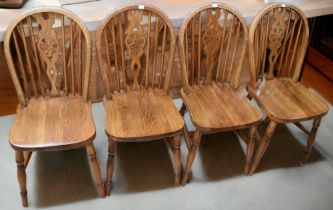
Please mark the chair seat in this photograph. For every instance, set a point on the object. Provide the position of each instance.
(53, 123)
(288, 101)
(220, 108)
(141, 115)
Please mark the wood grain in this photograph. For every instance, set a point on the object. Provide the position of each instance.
(45, 61)
(278, 37)
(135, 47)
(220, 107)
(286, 101)
(22, 178)
(212, 47)
(54, 123)
(136, 116)
(53, 113)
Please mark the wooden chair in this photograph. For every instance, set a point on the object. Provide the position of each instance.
(48, 52)
(212, 47)
(135, 49)
(278, 41)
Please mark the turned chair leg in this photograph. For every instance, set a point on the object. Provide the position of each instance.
(311, 139)
(191, 155)
(177, 160)
(187, 138)
(250, 149)
(22, 178)
(95, 168)
(110, 165)
(263, 145)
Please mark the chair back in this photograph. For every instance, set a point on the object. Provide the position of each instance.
(278, 39)
(135, 49)
(212, 45)
(48, 52)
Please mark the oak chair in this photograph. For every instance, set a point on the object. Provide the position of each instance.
(135, 49)
(212, 47)
(48, 52)
(278, 41)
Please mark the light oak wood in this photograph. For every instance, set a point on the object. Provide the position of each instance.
(95, 168)
(138, 115)
(22, 178)
(110, 165)
(135, 48)
(219, 107)
(52, 87)
(212, 47)
(286, 101)
(278, 39)
(54, 123)
(263, 145)
(27, 156)
(175, 10)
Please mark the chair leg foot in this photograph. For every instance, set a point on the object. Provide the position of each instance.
(21, 175)
(311, 139)
(110, 166)
(250, 150)
(263, 145)
(191, 156)
(96, 169)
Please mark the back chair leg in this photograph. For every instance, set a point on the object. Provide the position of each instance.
(187, 138)
(249, 96)
(311, 138)
(95, 168)
(191, 155)
(110, 166)
(27, 156)
(182, 110)
(22, 178)
(263, 145)
(177, 160)
(250, 149)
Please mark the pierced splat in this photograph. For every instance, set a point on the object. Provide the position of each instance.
(49, 48)
(212, 41)
(276, 36)
(135, 42)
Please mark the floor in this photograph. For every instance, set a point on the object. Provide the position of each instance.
(8, 98)
(312, 78)
(144, 176)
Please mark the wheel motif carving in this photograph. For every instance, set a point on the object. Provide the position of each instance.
(49, 49)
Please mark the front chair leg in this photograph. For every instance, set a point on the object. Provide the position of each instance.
(250, 149)
(177, 160)
(22, 178)
(191, 155)
(95, 168)
(263, 145)
(110, 165)
(312, 136)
